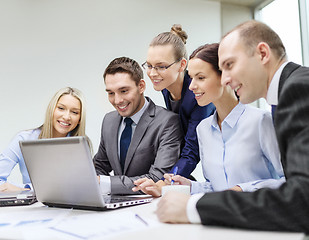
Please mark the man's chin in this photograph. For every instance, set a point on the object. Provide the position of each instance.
(123, 114)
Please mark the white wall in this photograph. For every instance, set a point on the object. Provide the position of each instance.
(232, 15)
(46, 45)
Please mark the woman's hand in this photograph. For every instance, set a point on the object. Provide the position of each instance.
(178, 180)
(8, 187)
(236, 188)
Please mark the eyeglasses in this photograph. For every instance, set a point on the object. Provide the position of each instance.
(148, 67)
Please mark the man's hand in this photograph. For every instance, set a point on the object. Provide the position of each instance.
(172, 208)
(8, 187)
(148, 186)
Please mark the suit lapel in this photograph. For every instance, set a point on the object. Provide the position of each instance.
(286, 72)
(139, 132)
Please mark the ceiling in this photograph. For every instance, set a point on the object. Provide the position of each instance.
(245, 3)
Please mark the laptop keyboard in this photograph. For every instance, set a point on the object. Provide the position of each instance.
(116, 199)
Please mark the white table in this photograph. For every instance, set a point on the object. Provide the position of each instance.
(158, 231)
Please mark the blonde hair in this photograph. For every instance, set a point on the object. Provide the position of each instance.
(47, 127)
(176, 37)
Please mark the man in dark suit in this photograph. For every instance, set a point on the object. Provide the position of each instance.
(152, 138)
(254, 63)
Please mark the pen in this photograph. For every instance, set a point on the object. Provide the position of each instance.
(174, 172)
(139, 217)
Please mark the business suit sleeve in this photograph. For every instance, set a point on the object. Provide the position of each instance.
(286, 208)
(164, 136)
(100, 160)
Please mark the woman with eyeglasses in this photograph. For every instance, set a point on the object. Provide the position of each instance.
(166, 67)
(238, 145)
(65, 117)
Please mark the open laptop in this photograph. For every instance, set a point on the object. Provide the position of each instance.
(63, 175)
(17, 198)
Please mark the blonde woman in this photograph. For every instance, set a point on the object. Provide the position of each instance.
(166, 67)
(65, 117)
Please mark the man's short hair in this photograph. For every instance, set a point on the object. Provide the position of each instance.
(125, 65)
(253, 32)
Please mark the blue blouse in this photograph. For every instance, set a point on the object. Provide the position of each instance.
(190, 114)
(12, 155)
(244, 152)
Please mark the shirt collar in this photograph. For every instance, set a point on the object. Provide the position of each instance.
(137, 116)
(232, 118)
(272, 93)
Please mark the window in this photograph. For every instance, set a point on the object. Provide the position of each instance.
(304, 28)
(289, 18)
(283, 17)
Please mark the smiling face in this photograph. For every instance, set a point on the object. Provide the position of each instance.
(123, 94)
(66, 115)
(206, 82)
(163, 55)
(243, 71)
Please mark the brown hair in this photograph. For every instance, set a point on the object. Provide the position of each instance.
(253, 32)
(125, 65)
(208, 53)
(176, 37)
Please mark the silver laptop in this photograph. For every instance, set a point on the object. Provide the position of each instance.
(17, 198)
(63, 175)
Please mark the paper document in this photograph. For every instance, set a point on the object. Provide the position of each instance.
(95, 225)
(28, 219)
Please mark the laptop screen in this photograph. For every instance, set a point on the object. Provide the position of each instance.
(61, 171)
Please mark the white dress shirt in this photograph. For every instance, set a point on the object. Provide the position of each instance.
(272, 93)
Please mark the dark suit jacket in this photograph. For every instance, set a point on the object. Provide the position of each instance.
(190, 114)
(286, 208)
(154, 149)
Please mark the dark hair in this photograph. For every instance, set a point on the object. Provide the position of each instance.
(208, 53)
(176, 37)
(253, 32)
(125, 65)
